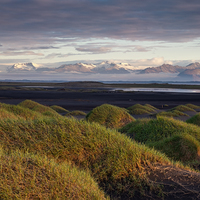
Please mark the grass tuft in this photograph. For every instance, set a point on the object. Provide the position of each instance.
(140, 109)
(29, 176)
(76, 113)
(44, 110)
(109, 116)
(59, 109)
(183, 108)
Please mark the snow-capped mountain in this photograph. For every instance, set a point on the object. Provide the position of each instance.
(105, 67)
(23, 67)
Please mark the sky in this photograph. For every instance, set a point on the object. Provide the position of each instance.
(143, 33)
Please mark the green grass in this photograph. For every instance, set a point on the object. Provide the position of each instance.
(194, 119)
(150, 106)
(192, 106)
(18, 112)
(138, 108)
(59, 109)
(116, 162)
(139, 111)
(161, 133)
(109, 116)
(28, 176)
(172, 113)
(44, 110)
(183, 108)
(76, 113)
(182, 147)
(59, 157)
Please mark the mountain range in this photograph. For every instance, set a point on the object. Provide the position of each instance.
(191, 71)
(99, 68)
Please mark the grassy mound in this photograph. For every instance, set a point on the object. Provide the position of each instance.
(148, 108)
(139, 111)
(194, 119)
(161, 132)
(59, 109)
(173, 113)
(15, 112)
(76, 113)
(183, 147)
(192, 106)
(28, 176)
(109, 116)
(115, 161)
(183, 108)
(44, 110)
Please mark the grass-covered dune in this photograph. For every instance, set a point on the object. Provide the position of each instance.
(116, 162)
(172, 113)
(28, 176)
(194, 119)
(109, 116)
(44, 110)
(59, 109)
(177, 139)
(183, 108)
(15, 112)
(60, 157)
(139, 109)
(76, 113)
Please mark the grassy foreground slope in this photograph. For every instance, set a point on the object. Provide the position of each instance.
(109, 116)
(28, 176)
(177, 139)
(116, 162)
(123, 168)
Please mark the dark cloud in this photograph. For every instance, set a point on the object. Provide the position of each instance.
(134, 20)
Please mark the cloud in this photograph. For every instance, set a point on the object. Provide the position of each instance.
(20, 53)
(94, 50)
(60, 55)
(139, 49)
(40, 47)
(134, 20)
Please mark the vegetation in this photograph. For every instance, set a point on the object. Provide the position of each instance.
(59, 109)
(16, 112)
(109, 116)
(172, 113)
(183, 108)
(76, 113)
(28, 176)
(44, 110)
(192, 106)
(139, 109)
(114, 160)
(172, 137)
(194, 120)
(56, 157)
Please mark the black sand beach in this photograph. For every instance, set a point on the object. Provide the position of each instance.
(86, 101)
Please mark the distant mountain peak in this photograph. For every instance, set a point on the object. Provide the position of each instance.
(23, 67)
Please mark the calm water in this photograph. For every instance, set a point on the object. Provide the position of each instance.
(159, 90)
